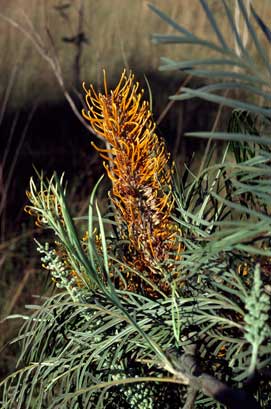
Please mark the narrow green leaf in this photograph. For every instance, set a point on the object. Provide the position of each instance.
(238, 86)
(262, 25)
(215, 27)
(238, 137)
(238, 76)
(170, 39)
(233, 103)
(90, 224)
(180, 65)
(103, 239)
(254, 36)
(170, 22)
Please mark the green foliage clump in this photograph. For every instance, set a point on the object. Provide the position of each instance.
(114, 336)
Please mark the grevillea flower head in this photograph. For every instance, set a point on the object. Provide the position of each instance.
(45, 206)
(138, 165)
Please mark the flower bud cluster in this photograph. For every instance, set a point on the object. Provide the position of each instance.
(58, 270)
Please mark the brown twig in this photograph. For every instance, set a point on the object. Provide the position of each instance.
(191, 397)
(4, 185)
(172, 102)
(19, 289)
(11, 242)
(210, 386)
(9, 87)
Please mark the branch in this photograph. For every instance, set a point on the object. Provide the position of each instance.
(199, 381)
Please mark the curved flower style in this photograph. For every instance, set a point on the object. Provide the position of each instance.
(138, 166)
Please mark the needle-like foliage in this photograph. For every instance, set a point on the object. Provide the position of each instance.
(164, 302)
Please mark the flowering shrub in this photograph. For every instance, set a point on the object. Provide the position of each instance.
(165, 298)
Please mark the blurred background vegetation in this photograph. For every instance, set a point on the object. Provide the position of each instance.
(38, 126)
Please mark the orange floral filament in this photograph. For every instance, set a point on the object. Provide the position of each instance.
(138, 166)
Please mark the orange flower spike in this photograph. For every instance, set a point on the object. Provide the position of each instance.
(139, 169)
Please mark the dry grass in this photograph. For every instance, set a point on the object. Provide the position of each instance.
(118, 35)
